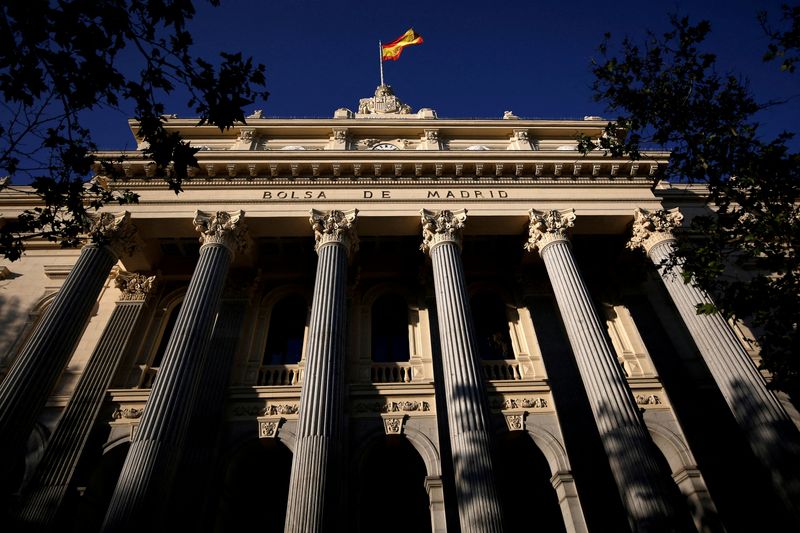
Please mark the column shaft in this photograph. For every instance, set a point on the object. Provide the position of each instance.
(467, 407)
(647, 493)
(36, 370)
(313, 494)
(144, 483)
(771, 434)
(63, 451)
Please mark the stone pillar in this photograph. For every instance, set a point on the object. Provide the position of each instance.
(314, 486)
(479, 506)
(435, 489)
(564, 485)
(46, 491)
(648, 494)
(36, 370)
(144, 484)
(770, 432)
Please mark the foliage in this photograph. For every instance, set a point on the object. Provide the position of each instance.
(60, 60)
(668, 94)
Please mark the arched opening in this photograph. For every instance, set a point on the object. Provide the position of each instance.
(523, 477)
(287, 325)
(255, 488)
(491, 327)
(389, 329)
(391, 492)
(101, 482)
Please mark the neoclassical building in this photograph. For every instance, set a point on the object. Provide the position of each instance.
(384, 321)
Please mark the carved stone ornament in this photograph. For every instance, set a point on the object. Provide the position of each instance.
(393, 424)
(128, 412)
(268, 429)
(650, 399)
(441, 226)
(227, 229)
(383, 103)
(134, 286)
(653, 227)
(340, 134)
(404, 406)
(115, 231)
(280, 409)
(246, 135)
(518, 403)
(335, 226)
(548, 227)
(432, 135)
(515, 421)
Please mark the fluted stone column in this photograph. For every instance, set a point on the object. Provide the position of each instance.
(316, 465)
(770, 432)
(36, 370)
(144, 484)
(479, 507)
(51, 481)
(648, 494)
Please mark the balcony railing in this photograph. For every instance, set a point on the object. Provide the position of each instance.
(392, 373)
(274, 375)
(502, 370)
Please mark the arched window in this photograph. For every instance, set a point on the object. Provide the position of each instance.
(162, 344)
(287, 325)
(390, 329)
(491, 328)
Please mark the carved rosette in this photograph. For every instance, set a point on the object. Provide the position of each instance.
(441, 226)
(335, 227)
(114, 230)
(227, 229)
(135, 287)
(653, 227)
(547, 227)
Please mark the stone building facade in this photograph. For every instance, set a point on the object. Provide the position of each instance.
(384, 321)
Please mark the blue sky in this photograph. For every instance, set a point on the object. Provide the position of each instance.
(478, 59)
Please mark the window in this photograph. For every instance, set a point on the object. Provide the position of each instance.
(390, 329)
(287, 324)
(491, 328)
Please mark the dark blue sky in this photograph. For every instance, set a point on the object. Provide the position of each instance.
(478, 59)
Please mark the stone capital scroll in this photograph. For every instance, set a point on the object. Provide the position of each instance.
(335, 227)
(653, 227)
(547, 227)
(441, 226)
(222, 227)
(114, 230)
(135, 287)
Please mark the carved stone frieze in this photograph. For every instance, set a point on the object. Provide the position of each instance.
(116, 231)
(280, 409)
(441, 226)
(648, 399)
(403, 406)
(548, 227)
(135, 287)
(127, 412)
(335, 226)
(221, 227)
(538, 402)
(653, 227)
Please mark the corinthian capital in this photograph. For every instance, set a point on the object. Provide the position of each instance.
(441, 226)
(547, 227)
(135, 286)
(227, 229)
(653, 227)
(335, 226)
(114, 230)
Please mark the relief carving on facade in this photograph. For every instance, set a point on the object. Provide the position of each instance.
(441, 226)
(515, 422)
(280, 409)
(649, 399)
(518, 403)
(653, 227)
(383, 103)
(115, 231)
(393, 425)
(135, 287)
(221, 227)
(335, 226)
(547, 227)
(406, 406)
(268, 429)
(127, 412)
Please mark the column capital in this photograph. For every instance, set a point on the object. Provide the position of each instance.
(335, 226)
(222, 227)
(441, 226)
(653, 227)
(547, 227)
(135, 287)
(114, 230)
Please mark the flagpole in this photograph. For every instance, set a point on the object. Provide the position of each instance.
(380, 54)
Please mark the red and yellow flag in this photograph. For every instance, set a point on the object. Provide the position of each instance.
(391, 51)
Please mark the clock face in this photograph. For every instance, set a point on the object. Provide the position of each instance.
(385, 146)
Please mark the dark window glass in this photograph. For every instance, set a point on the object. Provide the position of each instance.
(491, 328)
(162, 344)
(390, 329)
(285, 335)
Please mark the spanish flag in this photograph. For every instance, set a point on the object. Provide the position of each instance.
(392, 50)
